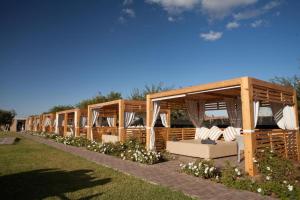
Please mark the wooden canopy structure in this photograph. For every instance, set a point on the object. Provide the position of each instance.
(71, 122)
(48, 122)
(34, 123)
(117, 113)
(29, 123)
(248, 91)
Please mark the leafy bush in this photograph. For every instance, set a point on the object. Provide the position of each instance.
(201, 168)
(132, 149)
(274, 167)
(277, 175)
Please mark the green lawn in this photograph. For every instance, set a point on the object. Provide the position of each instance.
(29, 170)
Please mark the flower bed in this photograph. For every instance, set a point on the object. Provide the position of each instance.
(276, 175)
(130, 150)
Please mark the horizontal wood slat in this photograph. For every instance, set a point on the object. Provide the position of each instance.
(281, 141)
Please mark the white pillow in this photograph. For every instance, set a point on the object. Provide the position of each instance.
(202, 133)
(229, 133)
(215, 133)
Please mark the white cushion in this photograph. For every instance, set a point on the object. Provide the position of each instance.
(229, 133)
(215, 133)
(202, 133)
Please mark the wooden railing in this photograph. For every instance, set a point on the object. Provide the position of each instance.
(165, 134)
(137, 133)
(283, 142)
(99, 131)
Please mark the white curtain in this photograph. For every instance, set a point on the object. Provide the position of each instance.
(233, 107)
(289, 116)
(83, 121)
(284, 116)
(56, 123)
(255, 112)
(156, 109)
(163, 117)
(128, 118)
(47, 122)
(110, 121)
(95, 117)
(196, 112)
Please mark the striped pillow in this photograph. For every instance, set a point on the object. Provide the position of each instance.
(202, 133)
(215, 133)
(229, 133)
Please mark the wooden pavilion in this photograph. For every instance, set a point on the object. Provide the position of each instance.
(244, 96)
(71, 122)
(117, 120)
(29, 123)
(48, 122)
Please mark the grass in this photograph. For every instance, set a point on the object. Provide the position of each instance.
(30, 170)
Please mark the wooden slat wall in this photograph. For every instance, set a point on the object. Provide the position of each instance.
(99, 131)
(138, 133)
(281, 141)
(269, 95)
(164, 134)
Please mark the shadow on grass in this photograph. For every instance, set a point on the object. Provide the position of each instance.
(42, 183)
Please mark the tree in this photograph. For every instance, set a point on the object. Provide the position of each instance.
(141, 94)
(6, 117)
(60, 108)
(293, 81)
(99, 99)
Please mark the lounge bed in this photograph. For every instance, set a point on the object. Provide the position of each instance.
(194, 148)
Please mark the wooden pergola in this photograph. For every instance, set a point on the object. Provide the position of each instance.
(248, 90)
(35, 123)
(68, 122)
(29, 123)
(116, 110)
(50, 118)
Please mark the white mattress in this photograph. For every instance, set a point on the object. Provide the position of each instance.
(194, 148)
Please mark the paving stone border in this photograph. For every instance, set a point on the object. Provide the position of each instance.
(165, 174)
(7, 140)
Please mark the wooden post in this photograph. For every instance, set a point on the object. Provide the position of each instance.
(77, 122)
(149, 114)
(65, 124)
(297, 123)
(169, 117)
(248, 124)
(121, 120)
(89, 124)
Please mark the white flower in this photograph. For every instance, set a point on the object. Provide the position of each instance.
(211, 169)
(259, 190)
(268, 168)
(285, 182)
(290, 187)
(238, 173)
(236, 169)
(268, 178)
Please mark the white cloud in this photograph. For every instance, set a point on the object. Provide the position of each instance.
(271, 5)
(211, 36)
(232, 25)
(257, 23)
(128, 12)
(221, 8)
(248, 14)
(175, 7)
(127, 2)
(171, 19)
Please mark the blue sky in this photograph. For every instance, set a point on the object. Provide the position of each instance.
(61, 51)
